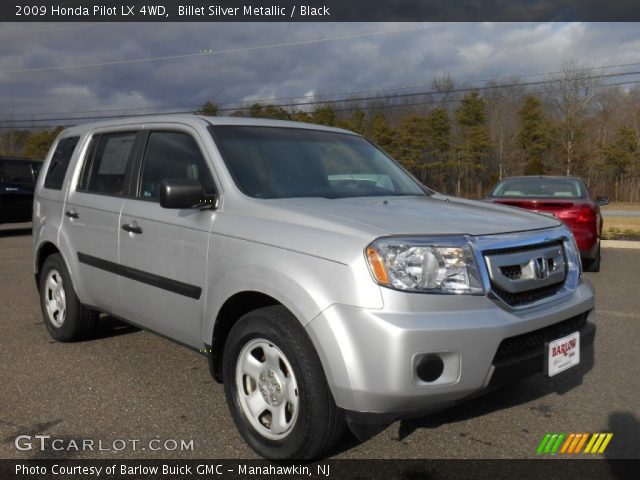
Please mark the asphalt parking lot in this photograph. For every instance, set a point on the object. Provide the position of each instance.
(130, 384)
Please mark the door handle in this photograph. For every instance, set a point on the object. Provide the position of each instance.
(132, 228)
(72, 214)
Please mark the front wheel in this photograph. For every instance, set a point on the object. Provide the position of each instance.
(276, 388)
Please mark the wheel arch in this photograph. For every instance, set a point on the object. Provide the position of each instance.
(45, 250)
(231, 311)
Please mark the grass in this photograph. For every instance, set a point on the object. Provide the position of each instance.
(619, 228)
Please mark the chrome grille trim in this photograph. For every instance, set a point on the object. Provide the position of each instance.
(540, 266)
(490, 245)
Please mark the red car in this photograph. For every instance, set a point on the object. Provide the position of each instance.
(566, 198)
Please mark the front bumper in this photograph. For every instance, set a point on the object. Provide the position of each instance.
(369, 356)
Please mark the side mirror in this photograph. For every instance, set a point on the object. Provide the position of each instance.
(180, 193)
(602, 201)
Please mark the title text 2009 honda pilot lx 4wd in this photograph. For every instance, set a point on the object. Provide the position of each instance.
(328, 286)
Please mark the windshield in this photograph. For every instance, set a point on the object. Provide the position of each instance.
(274, 162)
(539, 187)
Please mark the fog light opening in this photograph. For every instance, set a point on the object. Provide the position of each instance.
(430, 368)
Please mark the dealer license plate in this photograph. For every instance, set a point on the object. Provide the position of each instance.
(562, 354)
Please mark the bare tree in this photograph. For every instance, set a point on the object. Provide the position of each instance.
(503, 99)
(444, 84)
(572, 93)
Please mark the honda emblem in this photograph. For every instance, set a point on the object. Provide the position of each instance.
(541, 267)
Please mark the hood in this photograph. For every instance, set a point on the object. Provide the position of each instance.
(435, 215)
(339, 229)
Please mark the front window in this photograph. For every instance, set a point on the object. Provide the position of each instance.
(172, 155)
(273, 162)
(539, 187)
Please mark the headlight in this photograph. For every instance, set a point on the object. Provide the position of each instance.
(430, 265)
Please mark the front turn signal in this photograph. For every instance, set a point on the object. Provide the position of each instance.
(377, 266)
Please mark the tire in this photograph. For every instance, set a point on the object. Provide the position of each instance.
(268, 354)
(593, 265)
(65, 317)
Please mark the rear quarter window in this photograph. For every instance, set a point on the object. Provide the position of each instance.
(60, 163)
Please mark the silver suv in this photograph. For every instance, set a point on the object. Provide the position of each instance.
(326, 285)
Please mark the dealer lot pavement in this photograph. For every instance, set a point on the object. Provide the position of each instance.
(132, 389)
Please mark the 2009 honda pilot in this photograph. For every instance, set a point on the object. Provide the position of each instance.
(327, 286)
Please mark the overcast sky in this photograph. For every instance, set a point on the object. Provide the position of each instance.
(297, 59)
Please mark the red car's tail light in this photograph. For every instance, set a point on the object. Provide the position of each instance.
(587, 214)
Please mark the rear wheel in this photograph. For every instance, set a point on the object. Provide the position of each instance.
(592, 265)
(276, 388)
(65, 317)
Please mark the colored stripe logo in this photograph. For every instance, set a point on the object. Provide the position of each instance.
(553, 443)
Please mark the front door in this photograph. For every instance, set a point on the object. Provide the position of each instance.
(164, 251)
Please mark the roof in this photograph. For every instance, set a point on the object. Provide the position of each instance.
(201, 120)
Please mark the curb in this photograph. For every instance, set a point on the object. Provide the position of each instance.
(620, 244)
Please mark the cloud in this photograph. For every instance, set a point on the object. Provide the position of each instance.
(478, 52)
(469, 52)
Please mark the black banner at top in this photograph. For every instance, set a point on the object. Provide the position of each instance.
(319, 10)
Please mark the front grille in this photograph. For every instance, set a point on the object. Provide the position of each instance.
(514, 272)
(520, 277)
(533, 342)
(530, 296)
(511, 271)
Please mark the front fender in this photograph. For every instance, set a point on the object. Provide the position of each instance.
(304, 284)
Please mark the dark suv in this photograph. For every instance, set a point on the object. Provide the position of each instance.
(17, 180)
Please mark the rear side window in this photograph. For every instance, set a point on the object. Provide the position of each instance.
(172, 155)
(60, 163)
(107, 168)
(17, 172)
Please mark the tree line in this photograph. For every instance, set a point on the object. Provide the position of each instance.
(461, 141)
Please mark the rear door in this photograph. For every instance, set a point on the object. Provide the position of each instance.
(165, 250)
(91, 219)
